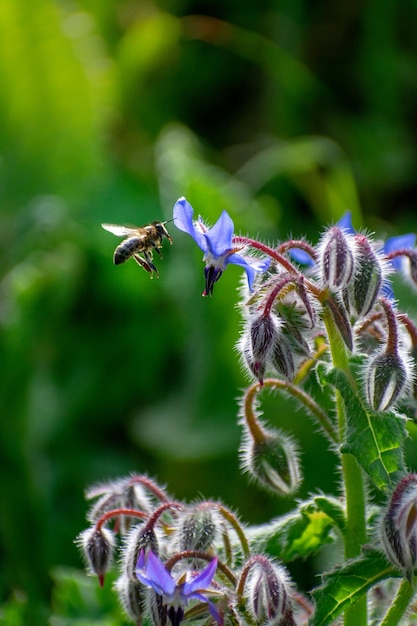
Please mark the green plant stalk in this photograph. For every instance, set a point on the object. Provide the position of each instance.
(355, 534)
(397, 609)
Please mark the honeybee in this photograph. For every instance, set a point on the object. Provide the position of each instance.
(140, 243)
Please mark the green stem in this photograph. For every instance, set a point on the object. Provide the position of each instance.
(399, 606)
(355, 532)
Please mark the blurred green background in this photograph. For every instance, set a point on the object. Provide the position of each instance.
(285, 113)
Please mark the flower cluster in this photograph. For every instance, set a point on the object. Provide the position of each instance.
(176, 560)
(344, 277)
(320, 324)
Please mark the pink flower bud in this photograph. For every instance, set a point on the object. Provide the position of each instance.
(132, 597)
(139, 538)
(263, 333)
(282, 357)
(97, 546)
(399, 526)
(363, 290)
(385, 379)
(336, 259)
(268, 592)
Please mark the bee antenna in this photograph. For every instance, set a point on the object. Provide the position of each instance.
(168, 221)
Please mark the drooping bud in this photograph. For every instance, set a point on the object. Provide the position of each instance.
(385, 380)
(399, 526)
(267, 591)
(363, 290)
(336, 260)
(258, 368)
(157, 608)
(272, 460)
(132, 597)
(141, 537)
(97, 545)
(263, 333)
(282, 358)
(197, 528)
(341, 320)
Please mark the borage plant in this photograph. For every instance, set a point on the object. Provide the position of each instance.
(324, 314)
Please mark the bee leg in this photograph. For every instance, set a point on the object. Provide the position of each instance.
(142, 263)
(148, 258)
(146, 264)
(157, 249)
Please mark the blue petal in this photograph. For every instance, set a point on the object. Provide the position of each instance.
(183, 220)
(345, 222)
(202, 581)
(151, 572)
(213, 610)
(399, 243)
(301, 256)
(219, 237)
(251, 269)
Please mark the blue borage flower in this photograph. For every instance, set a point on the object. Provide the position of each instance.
(217, 244)
(152, 573)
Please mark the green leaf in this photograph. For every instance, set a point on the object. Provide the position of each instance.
(344, 586)
(298, 534)
(333, 508)
(375, 439)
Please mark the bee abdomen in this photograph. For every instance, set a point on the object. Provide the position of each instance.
(126, 249)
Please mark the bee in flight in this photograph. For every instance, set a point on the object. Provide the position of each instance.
(140, 243)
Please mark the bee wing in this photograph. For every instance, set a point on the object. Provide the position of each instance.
(119, 231)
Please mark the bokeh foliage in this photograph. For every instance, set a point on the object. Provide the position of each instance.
(286, 114)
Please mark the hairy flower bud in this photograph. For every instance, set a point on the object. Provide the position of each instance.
(341, 320)
(139, 538)
(267, 591)
(157, 608)
(197, 528)
(336, 259)
(256, 368)
(132, 597)
(272, 460)
(399, 526)
(385, 380)
(362, 292)
(97, 546)
(263, 333)
(282, 358)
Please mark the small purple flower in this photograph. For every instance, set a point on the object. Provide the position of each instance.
(217, 244)
(152, 573)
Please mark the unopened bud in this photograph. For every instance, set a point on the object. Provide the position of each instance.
(399, 526)
(363, 290)
(256, 368)
(197, 528)
(158, 609)
(282, 357)
(336, 259)
(132, 597)
(385, 379)
(97, 546)
(263, 333)
(272, 461)
(341, 320)
(268, 592)
(139, 538)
